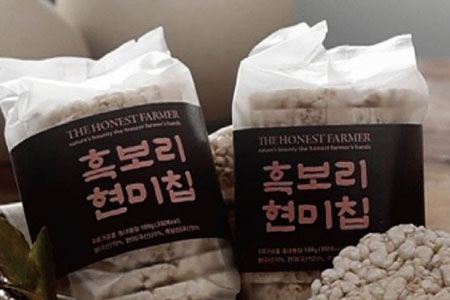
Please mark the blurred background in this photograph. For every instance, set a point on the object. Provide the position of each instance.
(366, 22)
(212, 36)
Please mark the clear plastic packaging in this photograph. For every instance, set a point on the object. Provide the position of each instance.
(38, 95)
(290, 79)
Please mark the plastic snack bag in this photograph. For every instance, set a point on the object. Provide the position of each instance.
(328, 146)
(113, 157)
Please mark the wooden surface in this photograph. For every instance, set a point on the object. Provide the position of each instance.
(437, 143)
(436, 146)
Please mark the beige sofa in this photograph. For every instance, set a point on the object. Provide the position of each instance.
(33, 29)
(210, 36)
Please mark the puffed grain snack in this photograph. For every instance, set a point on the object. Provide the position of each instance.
(332, 106)
(221, 142)
(406, 262)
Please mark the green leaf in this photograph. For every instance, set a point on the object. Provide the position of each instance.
(41, 277)
(30, 272)
(14, 251)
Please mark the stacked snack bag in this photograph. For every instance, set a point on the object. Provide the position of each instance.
(328, 147)
(112, 156)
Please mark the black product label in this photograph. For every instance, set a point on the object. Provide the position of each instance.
(119, 181)
(304, 193)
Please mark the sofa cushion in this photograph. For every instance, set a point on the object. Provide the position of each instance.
(33, 29)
